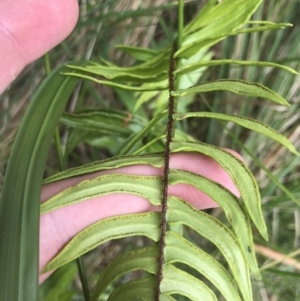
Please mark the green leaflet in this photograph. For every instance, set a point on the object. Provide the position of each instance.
(235, 86)
(209, 227)
(140, 289)
(151, 74)
(147, 187)
(191, 287)
(179, 249)
(141, 54)
(145, 259)
(219, 18)
(154, 69)
(146, 224)
(104, 121)
(239, 173)
(155, 160)
(20, 197)
(156, 87)
(232, 209)
(192, 67)
(248, 123)
(196, 44)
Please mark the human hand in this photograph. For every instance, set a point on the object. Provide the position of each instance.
(28, 29)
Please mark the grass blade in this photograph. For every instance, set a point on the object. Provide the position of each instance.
(20, 198)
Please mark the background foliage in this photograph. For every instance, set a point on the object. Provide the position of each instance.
(151, 24)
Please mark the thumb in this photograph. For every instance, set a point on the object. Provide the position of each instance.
(30, 28)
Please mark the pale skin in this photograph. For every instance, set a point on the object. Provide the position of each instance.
(29, 29)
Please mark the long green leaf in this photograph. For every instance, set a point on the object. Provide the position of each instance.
(176, 281)
(153, 70)
(196, 44)
(141, 259)
(111, 71)
(209, 227)
(248, 123)
(235, 86)
(193, 67)
(156, 87)
(179, 249)
(20, 198)
(145, 186)
(155, 160)
(239, 173)
(103, 121)
(145, 224)
(229, 203)
(133, 75)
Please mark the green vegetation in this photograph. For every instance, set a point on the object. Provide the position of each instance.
(192, 80)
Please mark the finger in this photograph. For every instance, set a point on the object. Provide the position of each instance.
(59, 226)
(30, 28)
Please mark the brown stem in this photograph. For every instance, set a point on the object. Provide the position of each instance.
(170, 131)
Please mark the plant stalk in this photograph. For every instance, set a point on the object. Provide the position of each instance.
(164, 202)
(172, 108)
(179, 45)
(180, 23)
(61, 167)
